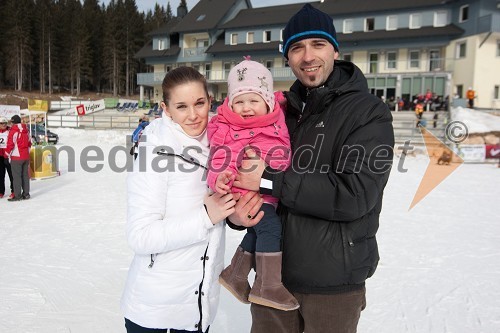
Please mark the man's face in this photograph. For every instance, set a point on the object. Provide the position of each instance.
(311, 60)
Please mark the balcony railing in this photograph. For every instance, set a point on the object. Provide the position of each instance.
(435, 65)
(194, 52)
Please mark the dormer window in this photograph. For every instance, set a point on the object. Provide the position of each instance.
(201, 17)
(347, 29)
(440, 19)
(370, 24)
(234, 39)
(250, 37)
(267, 36)
(392, 22)
(464, 13)
(161, 44)
(415, 21)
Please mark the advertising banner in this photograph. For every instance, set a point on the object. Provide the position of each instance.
(86, 107)
(472, 153)
(38, 105)
(8, 111)
(492, 151)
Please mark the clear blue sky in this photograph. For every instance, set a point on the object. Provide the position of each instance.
(145, 5)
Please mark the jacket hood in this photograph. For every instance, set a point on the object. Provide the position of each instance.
(226, 115)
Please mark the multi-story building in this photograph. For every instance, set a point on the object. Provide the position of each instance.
(404, 48)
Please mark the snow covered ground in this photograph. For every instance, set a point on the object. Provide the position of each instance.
(64, 257)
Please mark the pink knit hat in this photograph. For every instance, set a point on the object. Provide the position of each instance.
(250, 76)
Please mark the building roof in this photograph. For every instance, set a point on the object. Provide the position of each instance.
(166, 28)
(446, 31)
(263, 16)
(336, 7)
(148, 52)
(205, 15)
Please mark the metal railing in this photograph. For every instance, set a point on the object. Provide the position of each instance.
(382, 67)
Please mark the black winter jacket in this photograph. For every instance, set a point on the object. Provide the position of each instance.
(331, 197)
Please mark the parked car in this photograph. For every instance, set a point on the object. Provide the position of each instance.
(38, 135)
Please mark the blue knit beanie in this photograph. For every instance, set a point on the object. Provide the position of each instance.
(309, 22)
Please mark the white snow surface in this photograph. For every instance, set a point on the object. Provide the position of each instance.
(476, 121)
(64, 256)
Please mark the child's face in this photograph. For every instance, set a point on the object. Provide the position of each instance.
(249, 105)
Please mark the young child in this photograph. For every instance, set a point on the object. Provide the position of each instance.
(251, 116)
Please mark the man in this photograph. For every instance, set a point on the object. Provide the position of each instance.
(331, 197)
(18, 145)
(136, 135)
(471, 94)
(4, 159)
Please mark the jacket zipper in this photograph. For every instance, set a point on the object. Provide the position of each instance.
(200, 293)
(153, 257)
(346, 244)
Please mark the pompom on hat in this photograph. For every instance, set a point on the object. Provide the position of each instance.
(251, 77)
(309, 22)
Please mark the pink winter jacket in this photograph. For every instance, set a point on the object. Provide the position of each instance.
(229, 134)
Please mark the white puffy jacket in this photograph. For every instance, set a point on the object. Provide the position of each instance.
(178, 251)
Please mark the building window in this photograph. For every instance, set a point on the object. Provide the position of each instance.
(461, 50)
(161, 44)
(267, 36)
(369, 24)
(202, 43)
(391, 59)
(281, 35)
(373, 59)
(347, 57)
(434, 60)
(234, 39)
(464, 13)
(227, 69)
(250, 37)
(347, 29)
(268, 64)
(208, 69)
(392, 22)
(167, 68)
(498, 48)
(460, 91)
(415, 21)
(496, 92)
(440, 18)
(414, 59)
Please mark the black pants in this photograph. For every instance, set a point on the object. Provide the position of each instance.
(134, 328)
(20, 174)
(5, 166)
(265, 236)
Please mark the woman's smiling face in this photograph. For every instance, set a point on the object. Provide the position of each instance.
(188, 106)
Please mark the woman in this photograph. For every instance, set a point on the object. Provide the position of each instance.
(173, 226)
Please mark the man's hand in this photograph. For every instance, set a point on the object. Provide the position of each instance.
(250, 171)
(247, 210)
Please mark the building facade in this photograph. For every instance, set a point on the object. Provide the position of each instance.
(404, 48)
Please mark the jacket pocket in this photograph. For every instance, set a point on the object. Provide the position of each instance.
(356, 256)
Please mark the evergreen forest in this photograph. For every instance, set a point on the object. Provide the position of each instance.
(73, 46)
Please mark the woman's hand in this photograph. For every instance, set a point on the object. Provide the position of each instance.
(247, 210)
(219, 206)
